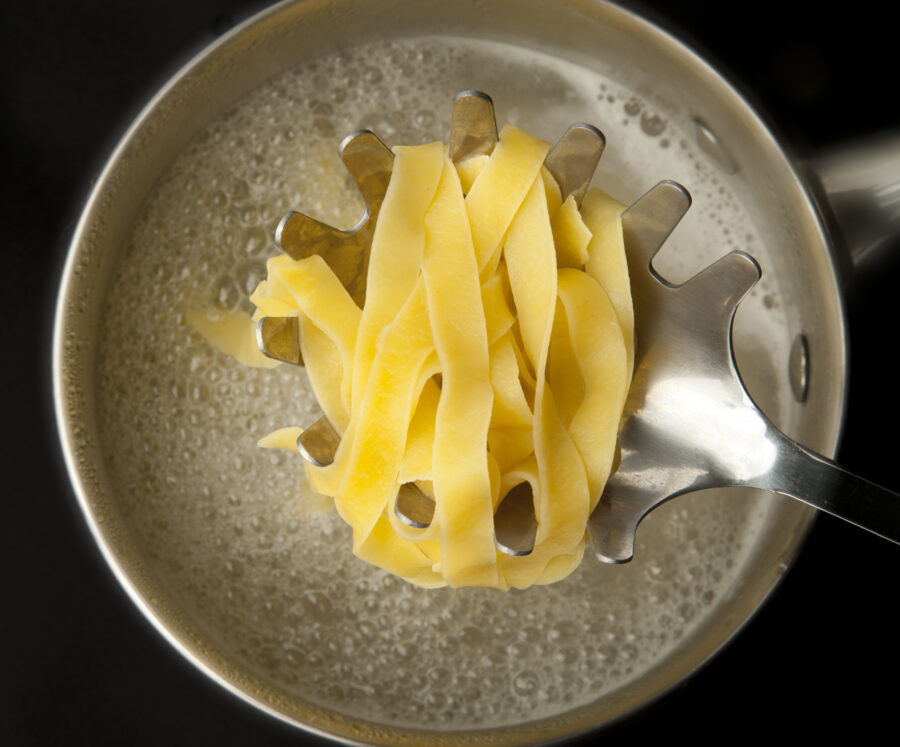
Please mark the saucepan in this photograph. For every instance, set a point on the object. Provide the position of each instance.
(223, 547)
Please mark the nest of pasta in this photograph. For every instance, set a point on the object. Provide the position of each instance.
(494, 348)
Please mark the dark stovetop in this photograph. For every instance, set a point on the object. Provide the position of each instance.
(78, 662)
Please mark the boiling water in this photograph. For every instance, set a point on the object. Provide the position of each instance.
(263, 565)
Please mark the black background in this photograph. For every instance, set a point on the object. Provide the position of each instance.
(80, 665)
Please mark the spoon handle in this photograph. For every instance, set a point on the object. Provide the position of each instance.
(819, 482)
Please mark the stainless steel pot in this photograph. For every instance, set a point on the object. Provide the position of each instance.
(722, 133)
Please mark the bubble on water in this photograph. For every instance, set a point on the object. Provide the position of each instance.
(226, 294)
(633, 106)
(652, 124)
(526, 683)
(424, 119)
(249, 275)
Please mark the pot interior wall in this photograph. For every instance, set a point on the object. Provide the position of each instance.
(210, 536)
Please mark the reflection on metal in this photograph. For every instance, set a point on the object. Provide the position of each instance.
(278, 337)
(862, 186)
(473, 128)
(798, 368)
(515, 526)
(319, 443)
(413, 507)
(709, 143)
(574, 159)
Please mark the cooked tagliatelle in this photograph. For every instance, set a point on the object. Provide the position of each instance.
(494, 349)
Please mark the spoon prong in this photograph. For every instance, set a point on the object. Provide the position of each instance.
(473, 127)
(278, 337)
(515, 526)
(648, 222)
(573, 160)
(319, 443)
(413, 507)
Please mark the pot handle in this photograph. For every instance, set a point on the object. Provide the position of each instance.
(861, 185)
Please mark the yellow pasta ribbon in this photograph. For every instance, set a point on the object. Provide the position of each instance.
(561, 498)
(499, 190)
(571, 235)
(460, 469)
(600, 352)
(381, 422)
(606, 260)
(397, 246)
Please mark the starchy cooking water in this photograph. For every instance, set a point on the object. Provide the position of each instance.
(264, 565)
